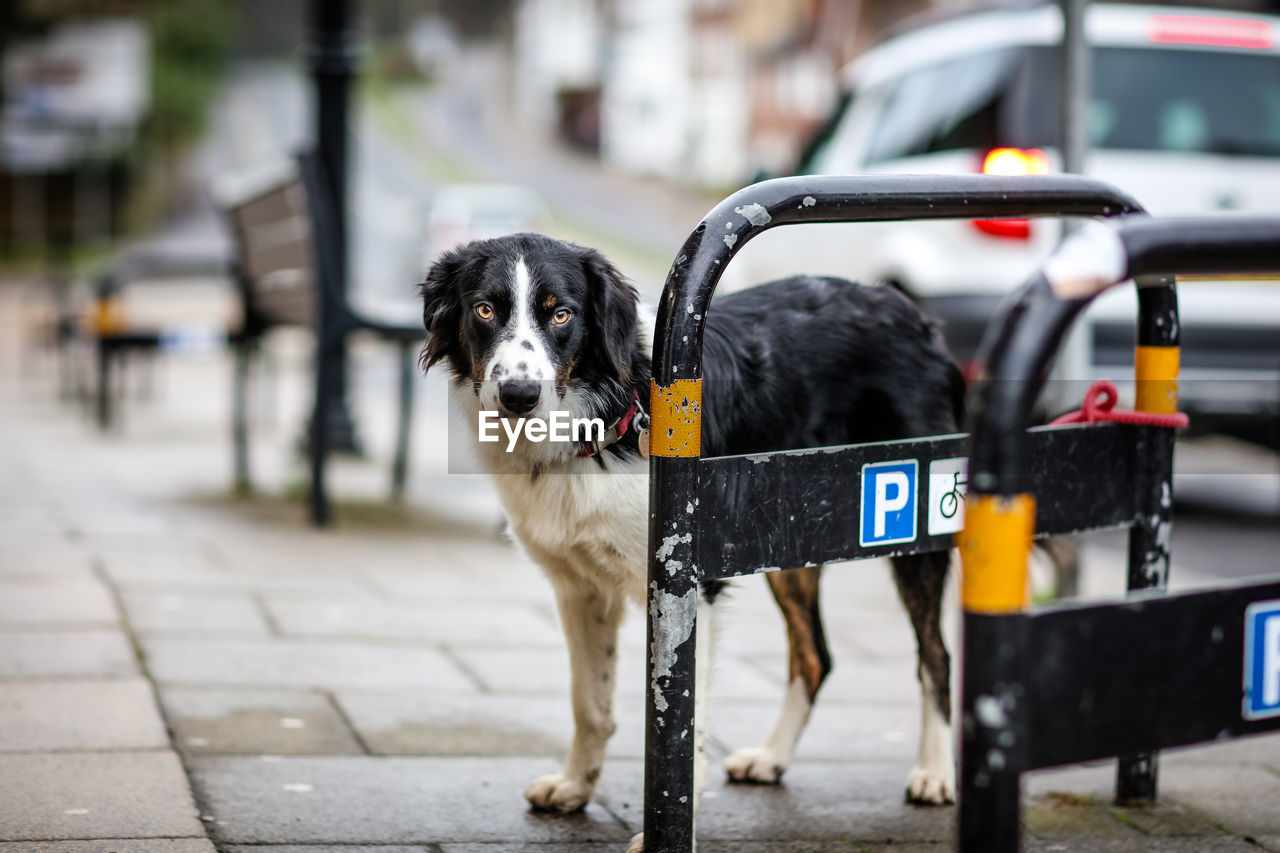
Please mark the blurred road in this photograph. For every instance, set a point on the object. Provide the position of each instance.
(410, 140)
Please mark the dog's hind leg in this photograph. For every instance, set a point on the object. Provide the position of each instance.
(796, 591)
(590, 618)
(921, 580)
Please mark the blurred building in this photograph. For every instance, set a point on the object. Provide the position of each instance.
(702, 91)
(74, 100)
(705, 91)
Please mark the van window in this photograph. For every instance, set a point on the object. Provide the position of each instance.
(1163, 99)
(1185, 100)
(1145, 99)
(955, 104)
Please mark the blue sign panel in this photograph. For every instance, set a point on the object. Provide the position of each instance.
(888, 502)
(1262, 660)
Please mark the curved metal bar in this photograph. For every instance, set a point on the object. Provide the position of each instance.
(1027, 334)
(1220, 245)
(673, 485)
(1020, 346)
(749, 212)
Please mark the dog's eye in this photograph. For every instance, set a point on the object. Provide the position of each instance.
(561, 316)
(484, 311)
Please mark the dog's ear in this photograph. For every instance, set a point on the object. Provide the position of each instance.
(613, 313)
(442, 306)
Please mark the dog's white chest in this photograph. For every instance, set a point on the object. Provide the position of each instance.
(595, 521)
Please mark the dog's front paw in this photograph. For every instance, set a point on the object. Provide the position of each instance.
(755, 764)
(558, 793)
(931, 786)
(637, 844)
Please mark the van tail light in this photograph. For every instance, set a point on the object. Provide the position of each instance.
(1011, 161)
(1015, 161)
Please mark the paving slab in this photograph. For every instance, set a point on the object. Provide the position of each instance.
(298, 663)
(1211, 791)
(495, 622)
(28, 654)
(20, 522)
(505, 577)
(1166, 817)
(420, 722)
(405, 722)
(1260, 750)
(254, 722)
(546, 669)
(80, 715)
(54, 601)
(1185, 844)
(1057, 814)
(338, 848)
(116, 521)
(20, 557)
(113, 845)
(365, 800)
(817, 801)
(837, 730)
(210, 582)
(1219, 794)
(193, 570)
(517, 847)
(178, 613)
(831, 845)
(95, 795)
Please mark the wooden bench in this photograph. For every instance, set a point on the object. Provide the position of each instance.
(285, 272)
(283, 265)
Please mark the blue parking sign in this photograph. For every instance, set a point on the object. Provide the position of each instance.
(1262, 660)
(888, 502)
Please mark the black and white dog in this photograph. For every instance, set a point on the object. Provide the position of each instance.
(529, 325)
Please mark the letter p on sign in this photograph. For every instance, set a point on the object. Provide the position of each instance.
(888, 502)
(1262, 660)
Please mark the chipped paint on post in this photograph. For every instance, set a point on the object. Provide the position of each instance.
(669, 543)
(671, 619)
(754, 213)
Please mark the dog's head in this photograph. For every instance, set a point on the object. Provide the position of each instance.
(527, 320)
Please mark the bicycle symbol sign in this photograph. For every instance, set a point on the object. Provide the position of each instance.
(948, 482)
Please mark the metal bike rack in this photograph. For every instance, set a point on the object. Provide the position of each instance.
(1072, 683)
(706, 513)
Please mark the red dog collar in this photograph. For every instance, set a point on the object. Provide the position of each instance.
(633, 414)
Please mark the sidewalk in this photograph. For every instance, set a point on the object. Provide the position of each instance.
(180, 672)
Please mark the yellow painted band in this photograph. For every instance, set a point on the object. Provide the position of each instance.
(108, 316)
(994, 547)
(675, 418)
(1156, 372)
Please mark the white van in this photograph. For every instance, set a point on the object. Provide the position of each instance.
(1184, 116)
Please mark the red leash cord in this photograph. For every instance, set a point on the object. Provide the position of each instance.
(1100, 405)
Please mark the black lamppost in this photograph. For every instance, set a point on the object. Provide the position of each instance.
(333, 62)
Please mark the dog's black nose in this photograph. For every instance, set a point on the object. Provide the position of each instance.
(519, 397)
